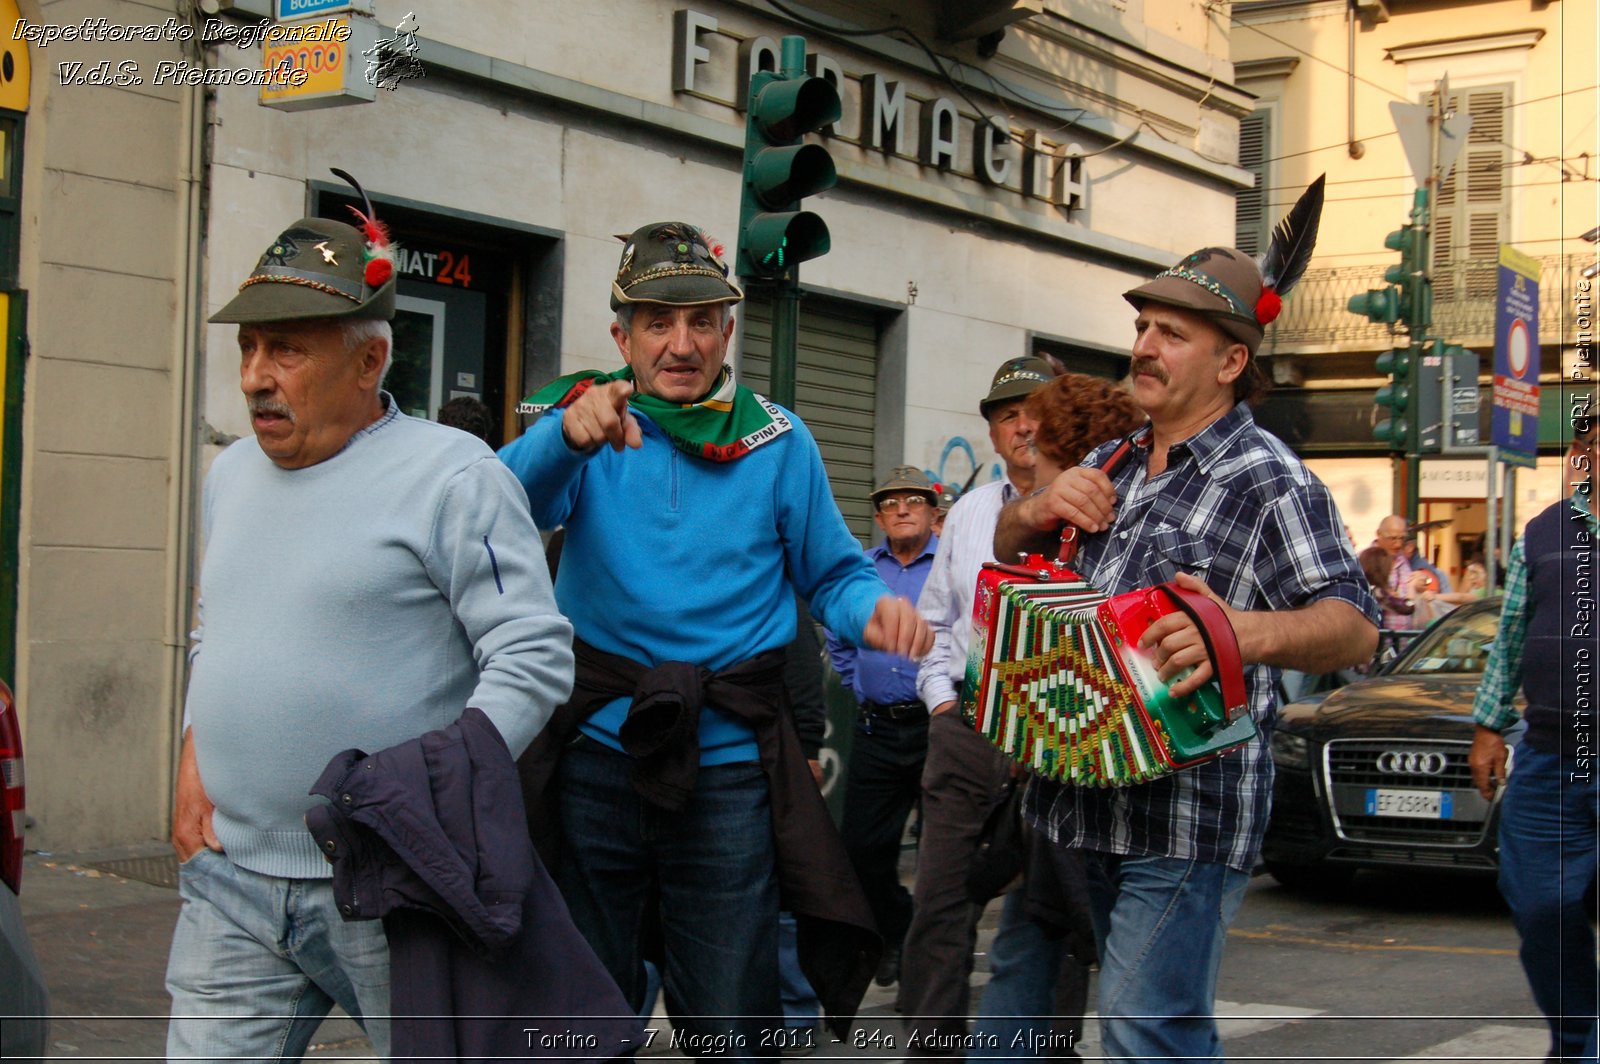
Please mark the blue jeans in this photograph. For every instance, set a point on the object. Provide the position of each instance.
(258, 961)
(1160, 924)
(710, 872)
(1548, 862)
(800, 1005)
(1018, 1016)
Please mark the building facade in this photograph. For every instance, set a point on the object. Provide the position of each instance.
(1325, 74)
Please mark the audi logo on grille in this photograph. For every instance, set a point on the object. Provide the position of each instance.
(1412, 762)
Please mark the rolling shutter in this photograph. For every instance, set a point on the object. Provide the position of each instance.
(835, 392)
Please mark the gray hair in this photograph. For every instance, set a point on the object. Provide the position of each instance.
(358, 331)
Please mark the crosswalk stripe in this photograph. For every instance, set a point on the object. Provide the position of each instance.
(1490, 1042)
(1234, 1020)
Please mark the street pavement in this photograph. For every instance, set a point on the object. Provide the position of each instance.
(1374, 977)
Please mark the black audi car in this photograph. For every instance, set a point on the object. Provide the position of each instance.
(1375, 775)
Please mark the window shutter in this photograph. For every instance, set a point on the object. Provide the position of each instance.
(1470, 218)
(1250, 205)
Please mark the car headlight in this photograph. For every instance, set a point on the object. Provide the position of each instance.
(1290, 750)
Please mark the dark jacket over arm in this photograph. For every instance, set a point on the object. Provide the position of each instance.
(431, 837)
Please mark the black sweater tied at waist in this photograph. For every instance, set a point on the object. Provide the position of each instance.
(838, 941)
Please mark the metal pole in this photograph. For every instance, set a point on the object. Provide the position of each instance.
(1413, 486)
(1508, 511)
(785, 339)
(1491, 531)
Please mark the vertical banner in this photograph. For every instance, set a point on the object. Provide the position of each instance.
(1516, 358)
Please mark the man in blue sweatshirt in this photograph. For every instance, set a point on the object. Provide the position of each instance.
(695, 511)
(367, 578)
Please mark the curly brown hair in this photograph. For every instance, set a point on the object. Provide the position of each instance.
(1377, 564)
(1076, 412)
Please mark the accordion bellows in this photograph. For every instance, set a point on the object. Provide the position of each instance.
(1057, 681)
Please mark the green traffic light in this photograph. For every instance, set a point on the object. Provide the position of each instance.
(1399, 240)
(1395, 363)
(1395, 397)
(1377, 304)
(779, 176)
(1392, 432)
(787, 110)
(779, 171)
(775, 241)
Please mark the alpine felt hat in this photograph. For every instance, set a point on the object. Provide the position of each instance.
(1221, 283)
(317, 268)
(1016, 379)
(673, 263)
(906, 478)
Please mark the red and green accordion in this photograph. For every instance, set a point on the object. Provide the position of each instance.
(1057, 681)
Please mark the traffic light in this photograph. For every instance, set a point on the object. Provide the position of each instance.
(1381, 305)
(1409, 300)
(780, 171)
(1396, 397)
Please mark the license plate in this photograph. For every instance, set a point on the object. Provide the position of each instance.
(1427, 805)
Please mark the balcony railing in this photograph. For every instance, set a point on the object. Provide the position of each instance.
(1463, 305)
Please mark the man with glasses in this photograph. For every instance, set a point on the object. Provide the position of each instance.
(1547, 646)
(891, 737)
(1392, 533)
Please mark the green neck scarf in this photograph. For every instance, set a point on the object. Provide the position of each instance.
(727, 424)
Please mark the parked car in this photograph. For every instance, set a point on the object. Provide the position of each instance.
(1375, 775)
(24, 1001)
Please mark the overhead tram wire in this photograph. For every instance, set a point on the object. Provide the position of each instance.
(961, 87)
(1234, 18)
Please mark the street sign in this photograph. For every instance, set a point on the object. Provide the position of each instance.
(1453, 478)
(1411, 122)
(330, 53)
(1516, 358)
(284, 10)
(1447, 391)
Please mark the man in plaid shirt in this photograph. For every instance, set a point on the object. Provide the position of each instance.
(1225, 509)
(1548, 648)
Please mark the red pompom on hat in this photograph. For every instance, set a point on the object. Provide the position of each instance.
(378, 271)
(1268, 306)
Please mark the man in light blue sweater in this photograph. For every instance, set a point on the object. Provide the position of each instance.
(367, 578)
(695, 511)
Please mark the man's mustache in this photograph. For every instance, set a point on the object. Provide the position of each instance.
(1148, 367)
(271, 406)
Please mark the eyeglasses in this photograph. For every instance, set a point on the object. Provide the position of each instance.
(909, 502)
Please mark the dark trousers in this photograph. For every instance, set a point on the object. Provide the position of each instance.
(705, 877)
(1549, 867)
(884, 782)
(962, 780)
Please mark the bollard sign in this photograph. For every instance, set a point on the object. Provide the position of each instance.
(329, 51)
(1516, 358)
